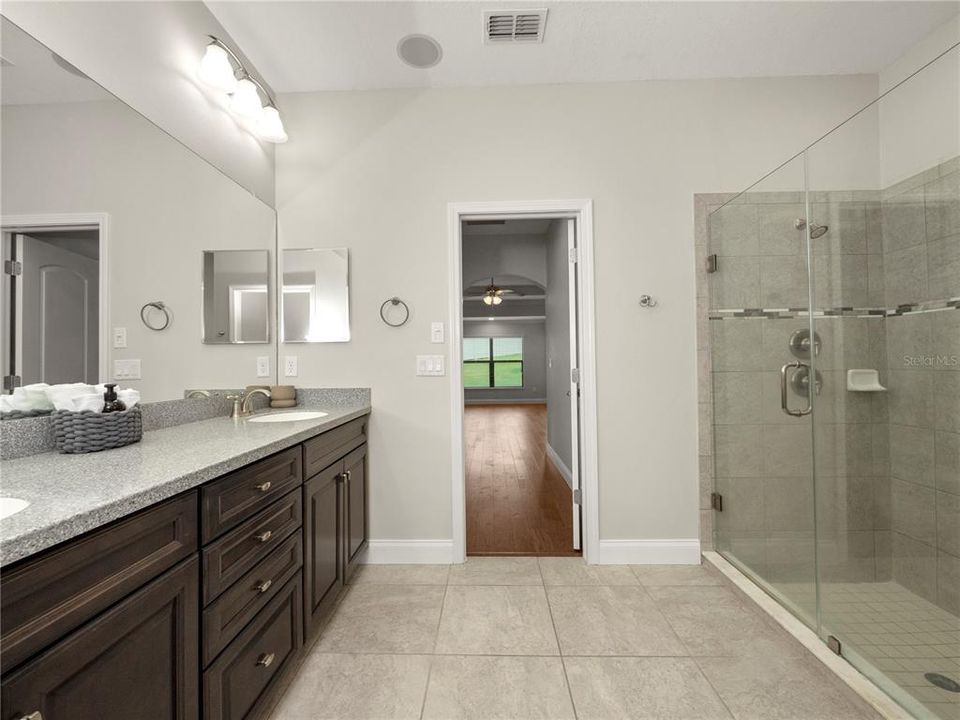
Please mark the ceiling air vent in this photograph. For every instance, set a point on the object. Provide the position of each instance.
(514, 26)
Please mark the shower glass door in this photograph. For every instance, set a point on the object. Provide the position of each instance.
(762, 358)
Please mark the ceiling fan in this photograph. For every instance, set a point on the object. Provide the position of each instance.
(493, 295)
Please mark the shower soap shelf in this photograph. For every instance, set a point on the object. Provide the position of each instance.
(863, 380)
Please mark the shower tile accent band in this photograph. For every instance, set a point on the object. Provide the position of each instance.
(792, 313)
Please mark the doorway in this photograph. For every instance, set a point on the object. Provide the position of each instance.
(522, 380)
(53, 308)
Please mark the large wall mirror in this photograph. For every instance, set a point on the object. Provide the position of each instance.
(103, 212)
(315, 301)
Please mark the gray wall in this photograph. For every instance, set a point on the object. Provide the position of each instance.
(558, 343)
(534, 363)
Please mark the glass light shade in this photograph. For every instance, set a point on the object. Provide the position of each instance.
(270, 126)
(245, 100)
(216, 70)
(488, 299)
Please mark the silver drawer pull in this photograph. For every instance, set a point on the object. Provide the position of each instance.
(347, 475)
(264, 536)
(264, 586)
(265, 660)
(263, 487)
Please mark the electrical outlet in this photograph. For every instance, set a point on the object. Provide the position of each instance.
(430, 365)
(119, 337)
(263, 366)
(289, 365)
(126, 369)
(436, 332)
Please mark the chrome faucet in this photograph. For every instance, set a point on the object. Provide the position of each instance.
(243, 403)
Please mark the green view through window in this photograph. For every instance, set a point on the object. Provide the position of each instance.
(493, 362)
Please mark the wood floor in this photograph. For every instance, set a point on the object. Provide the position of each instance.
(517, 501)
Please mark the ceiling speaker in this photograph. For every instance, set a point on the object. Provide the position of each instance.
(419, 51)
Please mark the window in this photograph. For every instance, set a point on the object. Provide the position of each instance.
(493, 362)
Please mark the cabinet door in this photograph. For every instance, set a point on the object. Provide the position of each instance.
(355, 484)
(139, 659)
(322, 545)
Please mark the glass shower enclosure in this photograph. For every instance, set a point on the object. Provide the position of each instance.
(834, 318)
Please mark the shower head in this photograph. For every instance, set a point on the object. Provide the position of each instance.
(815, 230)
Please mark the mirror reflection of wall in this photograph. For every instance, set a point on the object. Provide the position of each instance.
(236, 296)
(72, 150)
(316, 296)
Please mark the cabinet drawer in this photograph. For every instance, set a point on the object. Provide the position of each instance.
(240, 681)
(229, 558)
(230, 612)
(136, 660)
(233, 498)
(324, 450)
(45, 598)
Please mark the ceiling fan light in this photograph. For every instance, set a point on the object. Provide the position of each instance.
(245, 100)
(216, 70)
(488, 299)
(270, 126)
(497, 299)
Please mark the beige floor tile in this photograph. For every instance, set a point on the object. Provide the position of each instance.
(496, 571)
(771, 688)
(356, 687)
(401, 575)
(714, 621)
(641, 689)
(496, 620)
(610, 620)
(385, 619)
(658, 575)
(497, 688)
(574, 571)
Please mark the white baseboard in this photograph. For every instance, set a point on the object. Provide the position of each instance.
(504, 401)
(560, 465)
(408, 552)
(680, 551)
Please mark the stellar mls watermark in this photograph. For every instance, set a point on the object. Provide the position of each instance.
(931, 361)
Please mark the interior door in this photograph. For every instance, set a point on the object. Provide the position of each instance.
(58, 315)
(574, 384)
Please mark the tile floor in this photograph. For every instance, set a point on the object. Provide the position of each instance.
(895, 630)
(523, 638)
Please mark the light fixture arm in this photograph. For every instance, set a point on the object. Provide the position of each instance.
(241, 69)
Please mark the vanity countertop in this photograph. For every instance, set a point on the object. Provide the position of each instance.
(72, 494)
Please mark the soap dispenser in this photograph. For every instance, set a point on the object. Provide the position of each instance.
(111, 403)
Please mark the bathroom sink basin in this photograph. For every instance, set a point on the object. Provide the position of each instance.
(288, 416)
(11, 506)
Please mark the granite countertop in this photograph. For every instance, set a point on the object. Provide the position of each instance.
(72, 494)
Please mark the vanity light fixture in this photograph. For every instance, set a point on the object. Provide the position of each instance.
(220, 68)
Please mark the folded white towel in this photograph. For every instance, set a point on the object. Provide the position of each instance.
(129, 397)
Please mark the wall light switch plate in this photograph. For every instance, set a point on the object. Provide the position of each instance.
(119, 337)
(126, 369)
(430, 365)
(436, 332)
(289, 365)
(263, 366)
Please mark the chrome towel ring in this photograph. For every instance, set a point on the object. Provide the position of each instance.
(161, 307)
(394, 301)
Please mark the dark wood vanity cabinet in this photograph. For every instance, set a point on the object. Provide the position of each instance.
(335, 517)
(196, 607)
(139, 659)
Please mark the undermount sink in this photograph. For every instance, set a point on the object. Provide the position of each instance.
(11, 506)
(288, 416)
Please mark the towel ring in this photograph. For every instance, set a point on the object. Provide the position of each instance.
(394, 301)
(156, 305)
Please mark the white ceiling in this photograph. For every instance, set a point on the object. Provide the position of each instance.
(34, 76)
(309, 46)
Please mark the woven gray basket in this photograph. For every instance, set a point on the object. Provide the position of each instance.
(86, 432)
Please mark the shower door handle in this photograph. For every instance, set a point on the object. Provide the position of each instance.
(784, 405)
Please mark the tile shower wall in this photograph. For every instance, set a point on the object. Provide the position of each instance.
(921, 255)
(888, 465)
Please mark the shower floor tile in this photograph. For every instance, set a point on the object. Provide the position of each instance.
(896, 631)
